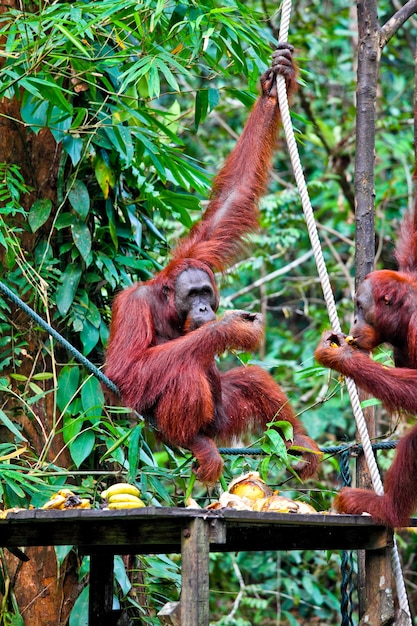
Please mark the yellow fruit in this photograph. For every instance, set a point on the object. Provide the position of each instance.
(250, 486)
(120, 488)
(349, 339)
(56, 502)
(123, 497)
(280, 504)
(303, 507)
(126, 505)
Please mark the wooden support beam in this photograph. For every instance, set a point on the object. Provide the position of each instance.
(377, 594)
(195, 551)
(101, 590)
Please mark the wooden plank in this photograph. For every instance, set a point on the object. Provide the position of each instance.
(158, 530)
(195, 592)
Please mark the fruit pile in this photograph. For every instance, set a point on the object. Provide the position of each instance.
(65, 499)
(250, 493)
(121, 496)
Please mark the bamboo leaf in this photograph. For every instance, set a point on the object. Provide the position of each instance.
(10, 426)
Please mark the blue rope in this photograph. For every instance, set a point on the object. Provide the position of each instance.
(346, 565)
(352, 449)
(51, 331)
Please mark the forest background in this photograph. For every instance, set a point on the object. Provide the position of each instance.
(114, 117)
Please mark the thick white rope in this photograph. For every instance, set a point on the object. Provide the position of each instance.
(329, 298)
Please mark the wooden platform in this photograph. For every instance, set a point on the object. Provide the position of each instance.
(159, 530)
(193, 532)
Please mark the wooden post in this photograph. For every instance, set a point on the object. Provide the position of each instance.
(374, 569)
(195, 551)
(101, 589)
(378, 600)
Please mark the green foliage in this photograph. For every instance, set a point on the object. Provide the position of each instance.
(289, 587)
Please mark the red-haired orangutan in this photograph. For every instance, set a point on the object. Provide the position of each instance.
(164, 334)
(386, 311)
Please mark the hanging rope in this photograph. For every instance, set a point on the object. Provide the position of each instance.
(75, 353)
(328, 296)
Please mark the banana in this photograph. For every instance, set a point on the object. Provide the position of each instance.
(65, 499)
(119, 488)
(126, 505)
(56, 502)
(123, 497)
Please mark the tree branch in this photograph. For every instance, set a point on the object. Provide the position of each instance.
(396, 21)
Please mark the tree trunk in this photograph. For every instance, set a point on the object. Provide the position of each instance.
(42, 597)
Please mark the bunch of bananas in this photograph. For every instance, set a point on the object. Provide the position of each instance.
(122, 496)
(66, 499)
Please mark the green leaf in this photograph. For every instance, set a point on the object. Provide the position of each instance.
(77, 43)
(82, 446)
(79, 198)
(201, 106)
(105, 175)
(133, 455)
(36, 389)
(115, 445)
(68, 382)
(121, 575)
(275, 445)
(34, 112)
(213, 98)
(61, 553)
(12, 485)
(154, 83)
(370, 402)
(169, 76)
(59, 122)
(43, 376)
(89, 336)
(47, 90)
(92, 398)
(9, 424)
(72, 426)
(79, 613)
(64, 220)
(93, 315)
(66, 290)
(73, 146)
(39, 213)
(20, 377)
(82, 238)
(16, 620)
(285, 427)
